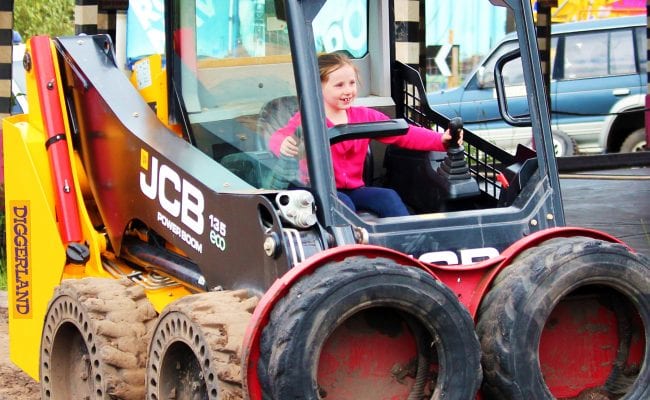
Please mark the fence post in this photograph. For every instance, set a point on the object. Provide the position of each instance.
(407, 32)
(6, 55)
(544, 42)
(85, 17)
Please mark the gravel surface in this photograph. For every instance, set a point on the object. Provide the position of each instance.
(14, 384)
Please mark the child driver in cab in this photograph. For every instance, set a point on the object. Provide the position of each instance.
(339, 81)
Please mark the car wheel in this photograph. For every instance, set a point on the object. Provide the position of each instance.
(563, 144)
(635, 142)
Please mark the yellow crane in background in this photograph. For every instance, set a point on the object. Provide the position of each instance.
(578, 10)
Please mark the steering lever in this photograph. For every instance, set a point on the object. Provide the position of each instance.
(453, 172)
(455, 127)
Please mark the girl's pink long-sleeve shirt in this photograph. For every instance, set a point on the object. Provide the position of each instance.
(348, 156)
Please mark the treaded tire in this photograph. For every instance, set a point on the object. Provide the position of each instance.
(319, 303)
(514, 313)
(94, 342)
(195, 351)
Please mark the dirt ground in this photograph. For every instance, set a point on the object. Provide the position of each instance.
(14, 384)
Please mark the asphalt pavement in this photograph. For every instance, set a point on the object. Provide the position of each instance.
(615, 202)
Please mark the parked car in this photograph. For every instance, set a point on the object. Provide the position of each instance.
(597, 93)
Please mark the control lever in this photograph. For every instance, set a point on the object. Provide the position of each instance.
(455, 167)
(455, 126)
(453, 172)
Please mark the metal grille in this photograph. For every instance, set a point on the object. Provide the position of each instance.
(485, 159)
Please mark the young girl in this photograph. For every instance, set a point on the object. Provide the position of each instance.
(339, 80)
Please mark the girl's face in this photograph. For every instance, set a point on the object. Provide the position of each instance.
(340, 88)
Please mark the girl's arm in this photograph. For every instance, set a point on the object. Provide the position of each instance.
(276, 139)
(419, 138)
(416, 138)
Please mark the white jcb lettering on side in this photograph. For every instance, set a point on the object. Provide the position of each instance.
(467, 256)
(192, 207)
(176, 195)
(471, 256)
(440, 257)
(150, 189)
(172, 206)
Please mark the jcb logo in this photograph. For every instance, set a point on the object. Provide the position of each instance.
(175, 195)
(467, 256)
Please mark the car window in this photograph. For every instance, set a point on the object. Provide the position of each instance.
(590, 55)
(641, 48)
(585, 55)
(621, 53)
(513, 74)
(486, 73)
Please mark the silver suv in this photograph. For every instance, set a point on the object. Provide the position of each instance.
(598, 87)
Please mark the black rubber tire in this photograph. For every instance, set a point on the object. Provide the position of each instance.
(636, 141)
(514, 313)
(316, 305)
(94, 342)
(195, 351)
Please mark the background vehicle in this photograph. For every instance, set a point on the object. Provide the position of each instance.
(19, 102)
(598, 85)
(157, 253)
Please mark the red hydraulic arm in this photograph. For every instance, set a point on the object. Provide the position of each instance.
(67, 210)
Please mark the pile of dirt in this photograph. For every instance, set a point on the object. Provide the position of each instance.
(14, 384)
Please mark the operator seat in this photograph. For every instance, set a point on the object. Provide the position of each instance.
(256, 167)
(273, 116)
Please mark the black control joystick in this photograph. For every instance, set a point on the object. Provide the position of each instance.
(455, 126)
(454, 170)
(455, 166)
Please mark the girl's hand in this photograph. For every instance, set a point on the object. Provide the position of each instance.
(289, 147)
(446, 138)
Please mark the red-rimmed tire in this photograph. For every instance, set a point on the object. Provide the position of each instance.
(568, 320)
(369, 329)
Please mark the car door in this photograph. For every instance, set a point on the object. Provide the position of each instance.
(594, 70)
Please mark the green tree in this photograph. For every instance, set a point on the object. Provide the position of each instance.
(44, 17)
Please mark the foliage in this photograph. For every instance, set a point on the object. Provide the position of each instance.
(44, 17)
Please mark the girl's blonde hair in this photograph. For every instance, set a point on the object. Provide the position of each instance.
(330, 62)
